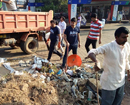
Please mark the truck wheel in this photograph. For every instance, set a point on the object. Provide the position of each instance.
(29, 46)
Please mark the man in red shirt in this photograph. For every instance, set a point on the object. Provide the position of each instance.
(94, 33)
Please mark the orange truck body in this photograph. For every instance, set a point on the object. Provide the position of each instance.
(16, 22)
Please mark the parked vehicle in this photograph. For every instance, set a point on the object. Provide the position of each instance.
(24, 27)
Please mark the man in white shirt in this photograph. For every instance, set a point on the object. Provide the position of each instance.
(62, 26)
(79, 20)
(115, 63)
(10, 4)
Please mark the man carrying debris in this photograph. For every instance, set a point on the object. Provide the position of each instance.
(72, 39)
(10, 4)
(55, 38)
(115, 63)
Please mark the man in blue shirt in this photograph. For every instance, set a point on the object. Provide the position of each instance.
(72, 39)
(55, 38)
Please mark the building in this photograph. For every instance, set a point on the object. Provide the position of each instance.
(106, 8)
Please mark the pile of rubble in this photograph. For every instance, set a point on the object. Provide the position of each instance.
(45, 83)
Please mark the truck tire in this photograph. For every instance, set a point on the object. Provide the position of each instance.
(29, 46)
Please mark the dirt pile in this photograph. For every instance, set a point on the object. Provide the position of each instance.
(25, 90)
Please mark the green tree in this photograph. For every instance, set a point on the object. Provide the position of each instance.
(55, 5)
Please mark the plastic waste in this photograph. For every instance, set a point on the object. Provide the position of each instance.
(66, 78)
(70, 72)
(84, 92)
(42, 77)
(39, 67)
(48, 79)
(73, 89)
(18, 73)
(75, 81)
(28, 63)
(75, 67)
(45, 60)
(2, 60)
(90, 94)
(22, 63)
(34, 75)
(31, 71)
(7, 66)
(34, 66)
(59, 72)
(80, 95)
(51, 72)
(89, 74)
(81, 76)
(88, 66)
(43, 81)
(37, 60)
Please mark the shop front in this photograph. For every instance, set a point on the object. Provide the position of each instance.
(121, 9)
(107, 9)
(110, 10)
(101, 7)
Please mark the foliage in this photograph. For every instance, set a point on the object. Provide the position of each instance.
(55, 5)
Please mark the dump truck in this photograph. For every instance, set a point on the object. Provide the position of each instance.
(23, 29)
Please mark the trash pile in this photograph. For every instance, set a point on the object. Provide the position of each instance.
(44, 83)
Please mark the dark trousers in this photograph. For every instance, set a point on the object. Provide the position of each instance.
(113, 97)
(52, 48)
(74, 51)
(88, 42)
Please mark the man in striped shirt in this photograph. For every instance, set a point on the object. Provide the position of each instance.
(94, 33)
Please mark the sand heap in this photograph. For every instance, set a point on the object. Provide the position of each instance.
(25, 90)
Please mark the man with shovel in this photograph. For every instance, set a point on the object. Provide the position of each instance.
(115, 64)
(72, 39)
